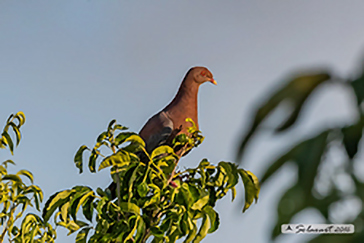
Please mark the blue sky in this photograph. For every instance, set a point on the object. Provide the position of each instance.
(72, 66)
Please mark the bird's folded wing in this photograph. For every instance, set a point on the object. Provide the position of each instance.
(157, 131)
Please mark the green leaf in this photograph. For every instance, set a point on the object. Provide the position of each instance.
(120, 138)
(193, 126)
(101, 137)
(202, 201)
(214, 218)
(79, 199)
(142, 189)
(250, 189)
(133, 223)
(109, 127)
(256, 183)
(120, 158)
(162, 150)
(37, 193)
(27, 174)
(72, 226)
(13, 178)
(135, 139)
(233, 193)
(193, 231)
(64, 211)
(21, 118)
(231, 172)
(186, 194)
(156, 196)
(141, 228)
(92, 160)
(204, 163)
(204, 229)
(5, 163)
(219, 178)
(88, 208)
(8, 141)
(17, 132)
(82, 235)
(54, 202)
(156, 231)
(120, 127)
(130, 208)
(78, 158)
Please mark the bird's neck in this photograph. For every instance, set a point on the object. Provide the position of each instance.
(185, 100)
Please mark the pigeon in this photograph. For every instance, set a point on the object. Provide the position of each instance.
(161, 128)
(171, 121)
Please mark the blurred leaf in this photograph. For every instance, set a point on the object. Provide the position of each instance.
(296, 199)
(351, 137)
(296, 93)
(293, 201)
(358, 86)
(307, 155)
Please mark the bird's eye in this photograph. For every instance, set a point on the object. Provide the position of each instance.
(203, 73)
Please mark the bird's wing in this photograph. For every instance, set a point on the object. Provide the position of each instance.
(157, 131)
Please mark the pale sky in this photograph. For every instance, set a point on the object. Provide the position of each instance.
(72, 66)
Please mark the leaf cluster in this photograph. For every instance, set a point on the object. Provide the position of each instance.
(309, 154)
(16, 196)
(14, 122)
(153, 199)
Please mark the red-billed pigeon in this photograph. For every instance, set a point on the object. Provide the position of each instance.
(171, 121)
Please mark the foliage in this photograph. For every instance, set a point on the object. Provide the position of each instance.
(153, 199)
(309, 155)
(16, 195)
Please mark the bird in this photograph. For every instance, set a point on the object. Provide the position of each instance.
(171, 120)
(161, 128)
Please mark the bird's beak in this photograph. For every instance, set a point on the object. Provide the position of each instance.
(213, 81)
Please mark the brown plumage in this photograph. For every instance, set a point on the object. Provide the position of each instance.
(172, 119)
(165, 125)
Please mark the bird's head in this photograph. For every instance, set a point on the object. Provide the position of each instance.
(202, 75)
